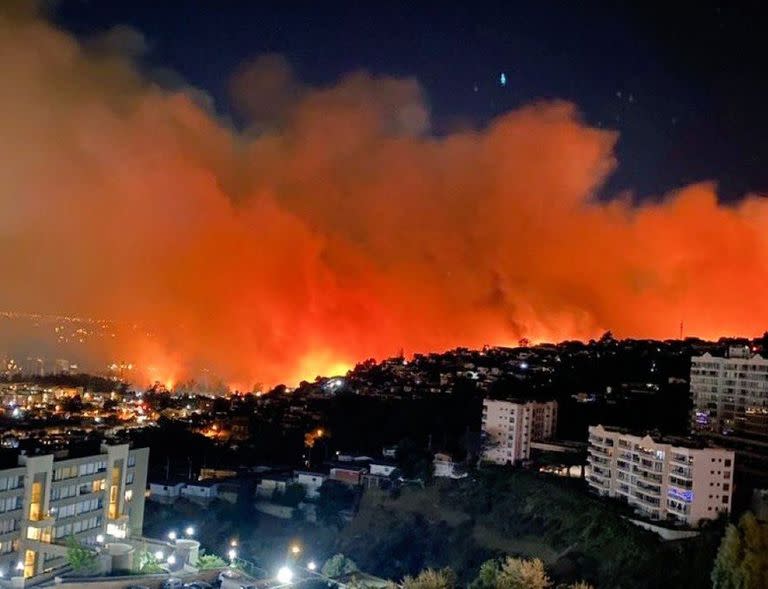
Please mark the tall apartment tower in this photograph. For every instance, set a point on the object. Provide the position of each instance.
(730, 395)
(45, 501)
(663, 479)
(509, 427)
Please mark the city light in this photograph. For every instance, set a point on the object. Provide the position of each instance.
(159, 555)
(19, 566)
(190, 531)
(311, 565)
(100, 538)
(171, 559)
(295, 549)
(172, 536)
(284, 575)
(233, 543)
(232, 554)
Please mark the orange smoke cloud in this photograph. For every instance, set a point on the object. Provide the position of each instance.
(336, 227)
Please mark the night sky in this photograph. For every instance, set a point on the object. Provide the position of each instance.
(685, 87)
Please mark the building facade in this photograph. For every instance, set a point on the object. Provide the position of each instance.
(730, 394)
(46, 500)
(663, 479)
(509, 427)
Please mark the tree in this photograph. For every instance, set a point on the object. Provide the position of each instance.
(206, 562)
(517, 573)
(80, 558)
(338, 565)
(334, 496)
(431, 579)
(487, 576)
(145, 562)
(742, 559)
(292, 496)
(512, 573)
(414, 461)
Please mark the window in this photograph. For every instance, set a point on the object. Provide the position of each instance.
(727, 462)
(725, 498)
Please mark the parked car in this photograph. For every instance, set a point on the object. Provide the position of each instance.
(172, 583)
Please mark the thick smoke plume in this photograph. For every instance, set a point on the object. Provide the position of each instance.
(335, 227)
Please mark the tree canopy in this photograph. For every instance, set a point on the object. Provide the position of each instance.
(742, 560)
(431, 579)
(338, 565)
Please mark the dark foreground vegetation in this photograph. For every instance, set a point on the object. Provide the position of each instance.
(461, 525)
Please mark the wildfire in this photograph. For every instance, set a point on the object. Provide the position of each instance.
(336, 228)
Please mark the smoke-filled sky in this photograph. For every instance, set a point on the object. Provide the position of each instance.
(332, 223)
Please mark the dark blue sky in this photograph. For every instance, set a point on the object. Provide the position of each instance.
(686, 87)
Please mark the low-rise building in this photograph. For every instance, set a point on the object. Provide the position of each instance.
(311, 481)
(347, 473)
(165, 491)
(269, 484)
(201, 491)
(382, 467)
(445, 467)
(662, 478)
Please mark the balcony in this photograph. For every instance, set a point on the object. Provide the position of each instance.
(679, 471)
(653, 490)
(647, 500)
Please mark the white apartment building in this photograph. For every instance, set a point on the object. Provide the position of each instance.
(510, 426)
(45, 500)
(662, 479)
(730, 395)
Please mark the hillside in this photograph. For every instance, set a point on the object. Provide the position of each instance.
(462, 523)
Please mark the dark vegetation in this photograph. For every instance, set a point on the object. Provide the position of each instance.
(460, 524)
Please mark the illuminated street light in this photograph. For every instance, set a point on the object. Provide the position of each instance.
(311, 565)
(232, 554)
(233, 543)
(100, 538)
(295, 549)
(172, 536)
(171, 559)
(159, 555)
(190, 531)
(284, 575)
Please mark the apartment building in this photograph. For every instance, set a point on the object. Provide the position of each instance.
(509, 427)
(663, 479)
(49, 498)
(730, 394)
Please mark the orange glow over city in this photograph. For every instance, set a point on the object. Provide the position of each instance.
(338, 228)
